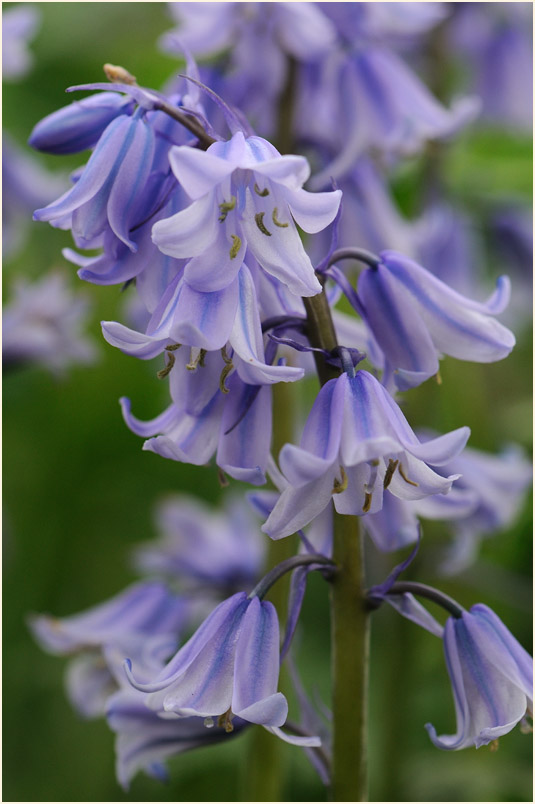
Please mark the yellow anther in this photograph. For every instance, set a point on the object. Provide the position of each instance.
(493, 746)
(225, 356)
(438, 378)
(404, 476)
(236, 246)
(276, 221)
(367, 502)
(225, 721)
(391, 468)
(260, 192)
(225, 207)
(118, 75)
(259, 219)
(340, 485)
(173, 347)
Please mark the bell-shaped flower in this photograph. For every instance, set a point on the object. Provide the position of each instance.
(43, 324)
(491, 676)
(245, 195)
(229, 667)
(19, 25)
(144, 740)
(109, 194)
(204, 419)
(415, 318)
(79, 125)
(216, 549)
(381, 103)
(357, 443)
(142, 621)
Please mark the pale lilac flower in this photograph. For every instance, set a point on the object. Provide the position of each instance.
(415, 317)
(229, 667)
(145, 740)
(498, 484)
(202, 419)
(492, 679)
(19, 25)
(355, 444)
(245, 195)
(142, 621)
(43, 325)
(110, 192)
(202, 545)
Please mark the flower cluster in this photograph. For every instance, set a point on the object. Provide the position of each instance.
(227, 251)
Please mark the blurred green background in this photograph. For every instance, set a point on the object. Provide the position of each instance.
(79, 493)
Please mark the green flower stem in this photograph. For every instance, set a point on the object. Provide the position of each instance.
(349, 658)
(349, 614)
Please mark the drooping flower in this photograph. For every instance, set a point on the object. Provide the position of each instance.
(43, 325)
(415, 317)
(143, 621)
(491, 676)
(144, 739)
(204, 546)
(245, 195)
(229, 667)
(19, 25)
(357, 443)
(110, 192)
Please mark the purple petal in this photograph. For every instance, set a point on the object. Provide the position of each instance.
(198, 171)
(189, 232)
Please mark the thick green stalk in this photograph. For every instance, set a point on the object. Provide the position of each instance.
(349, 658)
(349, 614)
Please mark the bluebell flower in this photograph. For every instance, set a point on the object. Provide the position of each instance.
(491, 676)
(498, 485)
(109, 193)
(229, 668)
(378, 102)
(356, 443)
(216, 549)
(19, 25)
(43, 324)
(245, 195)
(144, 740)
(415, 317)
(143, 621)
(203, 418)
(79, 125)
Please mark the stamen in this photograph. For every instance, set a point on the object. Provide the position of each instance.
(260, 192)
(340, 486)
(226, 207)
(277, 222)
(226, 371)
(236, 246)
(367, 502)
(259, 219)
(194, 358)
(173, 347)
(225, 721)
(222, 478)
(438, 378)
(404, 476)
(165, 371)
(493, 746)
(209, 722)
(391, 468)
